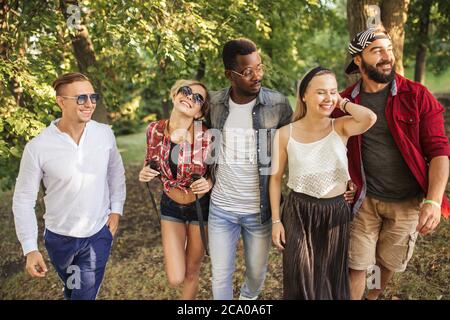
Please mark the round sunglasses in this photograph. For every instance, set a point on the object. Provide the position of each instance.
(196, 97)
(82, 98)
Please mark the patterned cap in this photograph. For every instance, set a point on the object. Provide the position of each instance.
(360, 42)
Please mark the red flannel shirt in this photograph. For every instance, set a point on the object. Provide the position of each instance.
(191, 158)
(416, 123)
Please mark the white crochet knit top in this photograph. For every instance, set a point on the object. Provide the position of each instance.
(318, 167)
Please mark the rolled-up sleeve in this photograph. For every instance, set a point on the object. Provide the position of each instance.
(433, 138)
(116, 179)
(24, 201)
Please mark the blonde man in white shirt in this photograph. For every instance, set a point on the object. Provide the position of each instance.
(83, 175)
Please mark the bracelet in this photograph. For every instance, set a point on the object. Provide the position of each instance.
(345, 103)
(434, 203)
(276, 221)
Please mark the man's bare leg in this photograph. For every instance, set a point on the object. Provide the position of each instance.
(386, 276)
(357, 283)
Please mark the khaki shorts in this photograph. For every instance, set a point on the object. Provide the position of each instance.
(384, 232)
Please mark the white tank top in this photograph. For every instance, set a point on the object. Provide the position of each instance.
(318, 167)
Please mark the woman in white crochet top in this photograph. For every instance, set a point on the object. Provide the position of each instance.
(313, 230)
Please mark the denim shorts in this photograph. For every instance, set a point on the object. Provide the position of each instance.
(184, 213)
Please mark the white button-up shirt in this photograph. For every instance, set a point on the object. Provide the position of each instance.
(83, 183)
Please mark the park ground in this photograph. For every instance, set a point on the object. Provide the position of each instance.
(136, 267)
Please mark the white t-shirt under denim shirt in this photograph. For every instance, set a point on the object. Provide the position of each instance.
(237, 184)
(84, 183)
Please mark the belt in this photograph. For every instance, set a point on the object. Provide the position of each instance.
(201, 223)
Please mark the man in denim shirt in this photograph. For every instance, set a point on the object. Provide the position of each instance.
(247, 116)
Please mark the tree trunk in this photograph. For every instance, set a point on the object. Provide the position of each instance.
(357, 16)
(166, 108)
(166, 98)
(394, 14)
(85, 56)
(201, 68)
(393, 18)
(422, 46)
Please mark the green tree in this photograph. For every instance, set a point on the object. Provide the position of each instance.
(26, 69)
(135, 50)
(428, 37)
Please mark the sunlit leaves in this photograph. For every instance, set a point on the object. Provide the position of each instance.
(143, 47)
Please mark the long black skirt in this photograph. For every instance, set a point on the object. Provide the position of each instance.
(315, 265)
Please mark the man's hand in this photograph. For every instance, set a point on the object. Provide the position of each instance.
(35, 264)
(349, 195)
(113, 223)
(429, 218)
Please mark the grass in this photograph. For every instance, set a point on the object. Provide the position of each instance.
(136, 267)
(435, 83)
(132, 147)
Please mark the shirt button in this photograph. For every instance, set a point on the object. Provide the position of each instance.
(410, 120)
(254, 112)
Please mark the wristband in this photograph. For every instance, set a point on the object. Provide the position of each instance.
(276, 221)
(434, 203)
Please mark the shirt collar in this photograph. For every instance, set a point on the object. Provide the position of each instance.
(357, 89)
(53, 126)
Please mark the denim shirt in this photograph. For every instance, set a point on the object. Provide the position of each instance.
(271, 111)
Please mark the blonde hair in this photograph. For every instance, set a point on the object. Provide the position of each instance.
(300, 105)
(183, 82)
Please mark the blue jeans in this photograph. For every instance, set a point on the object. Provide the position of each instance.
(224, 230)
(80, 262)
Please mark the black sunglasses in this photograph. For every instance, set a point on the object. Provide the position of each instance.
(82, 98)
(196, 97)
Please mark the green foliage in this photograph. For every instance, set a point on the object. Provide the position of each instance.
(438, 58)
(142, 47)
(26, 71)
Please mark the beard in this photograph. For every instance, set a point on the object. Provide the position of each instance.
(373, 73)
(247, 91)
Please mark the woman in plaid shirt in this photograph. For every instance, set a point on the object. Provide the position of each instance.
(177, 149)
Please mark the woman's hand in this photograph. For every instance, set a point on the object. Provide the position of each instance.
(338, 101)
(278, 236)
(147, 174)
(201, 186)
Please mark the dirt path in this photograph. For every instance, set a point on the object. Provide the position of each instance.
(136, 266)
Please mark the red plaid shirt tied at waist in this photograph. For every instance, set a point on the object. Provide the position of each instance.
(192, 157)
